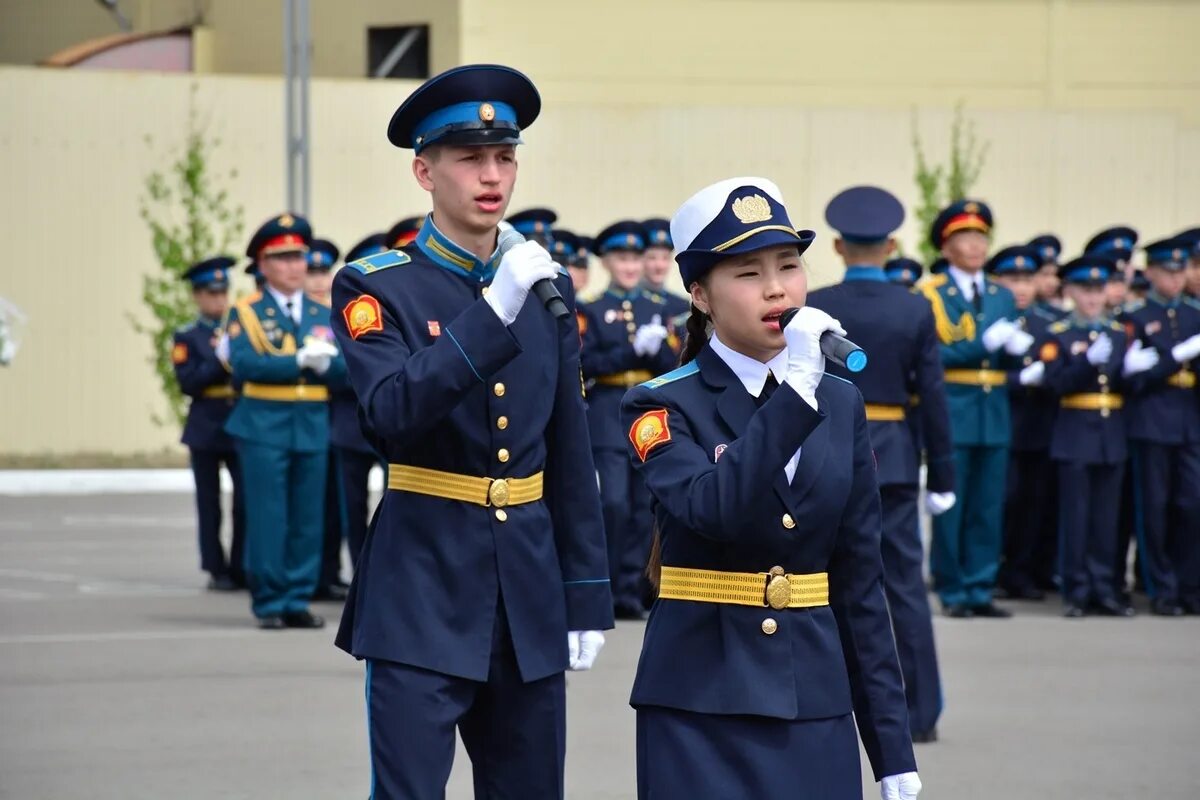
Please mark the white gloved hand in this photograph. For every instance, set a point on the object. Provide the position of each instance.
(314, 357)
(1033, 375)
(998, 334)
(1187, 349)
(8, 351)
(1100, 351)
(905, 786)
(648, 339)
(522, 266)
(938, 503)
(222, 349)
(806, 362)
(1018, 343)
(582, 649)
(1139, 358)
(320, 347)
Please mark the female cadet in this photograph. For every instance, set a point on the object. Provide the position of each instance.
(770, 626)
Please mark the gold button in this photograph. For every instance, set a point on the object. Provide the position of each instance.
(501, 515)
(987, 389)
(629, 315)
(630, 327)
(1102, 379)
(788, 522)
(502, 422)
(502, 455)
(498, 390)
(1027, 361)
(485, 290)
(626, 305)
(1104, 412)
(1092, 336)
(986, 363)
(769, 626)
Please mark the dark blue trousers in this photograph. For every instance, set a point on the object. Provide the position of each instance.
(514, 732)
(334, 525)
(1167, 488)
(1030, 521)
(628, 526)
(354, 468)
(683, 755)
(285, 499)
(206, 470)
(903, 558)
(1089, 497)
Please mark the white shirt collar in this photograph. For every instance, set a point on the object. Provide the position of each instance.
(281, 299)
(751, 372)
(967, 283)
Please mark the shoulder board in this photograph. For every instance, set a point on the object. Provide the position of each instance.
(1116, 326)
(934, 281)
(380, 261)
(657, 298)
(1189, 301)
(1043, 313)
(1133, 305)
(185, 328)
(680, 320)
(562, 271)
(839, 378)
(318, 301)
(1062, 326)
(690, 368)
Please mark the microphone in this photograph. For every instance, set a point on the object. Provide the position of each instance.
(545, 289)
(837, 349)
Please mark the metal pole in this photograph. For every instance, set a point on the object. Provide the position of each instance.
(289, 72)
(305, 51)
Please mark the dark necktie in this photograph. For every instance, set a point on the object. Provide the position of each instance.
(976, 300)
(291, 315)
(768, 389)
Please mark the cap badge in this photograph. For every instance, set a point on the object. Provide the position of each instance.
(752, 209)
(971, 208)
(287, 221)
(486, 112)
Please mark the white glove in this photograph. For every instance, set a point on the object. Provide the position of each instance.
(222, 349)
(1033, 374)
(1100, 351)
(314, 357)
(1018, 343)
(938, 503)
(582, 649)
(1187, 349)
(8, 351)
(1139, 358)
(900, 787)
(806, 362)
(998, 334)
(522, 266)
(648, 339)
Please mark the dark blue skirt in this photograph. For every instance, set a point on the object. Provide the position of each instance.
(682, 755)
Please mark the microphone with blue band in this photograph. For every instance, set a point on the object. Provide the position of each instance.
(837, 349)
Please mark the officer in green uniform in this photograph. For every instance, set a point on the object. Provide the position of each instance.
(281, 351)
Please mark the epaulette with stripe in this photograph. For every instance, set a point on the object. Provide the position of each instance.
(690, 368)
(1062, 326)
(380, 261)
(1133, 305)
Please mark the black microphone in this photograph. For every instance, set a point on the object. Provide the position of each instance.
(545, 290)
(837, 349)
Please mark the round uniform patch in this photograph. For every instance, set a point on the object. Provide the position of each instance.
(649, 431)
(362, 316)
(581, 321)
(179, 353)
(1049, 352)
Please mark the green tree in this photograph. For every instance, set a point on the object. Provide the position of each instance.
(938, 185)
(190, 217)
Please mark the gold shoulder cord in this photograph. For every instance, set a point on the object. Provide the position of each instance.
(949, 332)
(258, 337)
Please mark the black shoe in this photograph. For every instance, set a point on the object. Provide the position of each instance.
(629, 613)
(1023, 593)
(958, 611)
(272, 623)
(1165, 607)
(336, 592)
(1111, 607)
(1072, 611)
(221, 583)
(1191, 606)
(925, 737)
(992, 611)
(303, 619)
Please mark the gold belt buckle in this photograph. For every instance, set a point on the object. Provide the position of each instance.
(778, 589)
(498, 492)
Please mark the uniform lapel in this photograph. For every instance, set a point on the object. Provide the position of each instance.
(812, 457)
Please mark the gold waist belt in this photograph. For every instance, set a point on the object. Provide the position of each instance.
(1184, 379)
(629, 378)
(287, 393)
(977, 377)
(774, 589)
(877, 412)
(219, 392)
(1092, 402)
(498, 492)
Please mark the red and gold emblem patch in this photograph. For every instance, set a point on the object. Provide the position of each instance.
(435, 327)
(649, 431)
(362, 316)
(1049, 352)
(179, 353)
(581, 321)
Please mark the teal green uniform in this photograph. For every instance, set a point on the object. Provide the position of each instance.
(281, 426)
(967, 539)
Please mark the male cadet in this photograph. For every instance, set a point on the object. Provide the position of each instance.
(1191, 237)
(1163, 420)
(536, 225)
(625, 342)
(1046, 284)
(280, 351)
(402, 234)
(895, 328)
(322, 256)
(904, 271)
(1086, 361)
(1030, 507)
(658, 259)
(578, 268)
(563, 249)
(972, 316)
(203, 378)
(483, 576)
(355, 454)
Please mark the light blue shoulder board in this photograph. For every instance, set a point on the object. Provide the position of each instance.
(690, 368)
(380, 261)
